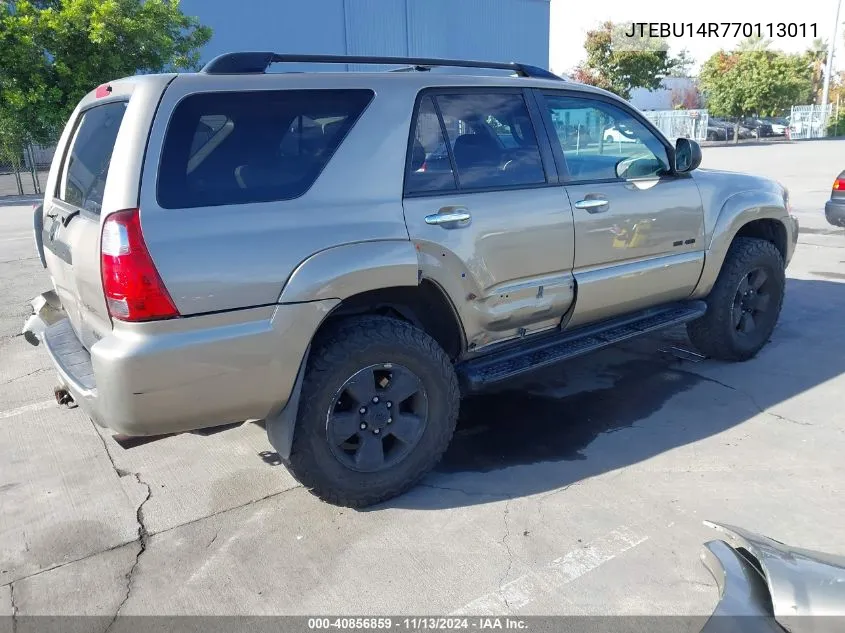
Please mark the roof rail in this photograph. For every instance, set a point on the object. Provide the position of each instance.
(258, 62)
(410, 69)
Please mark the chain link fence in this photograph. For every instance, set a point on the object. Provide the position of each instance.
(813, 121)
(675, 124)
(25, 172)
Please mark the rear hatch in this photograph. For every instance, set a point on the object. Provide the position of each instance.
(96, 171)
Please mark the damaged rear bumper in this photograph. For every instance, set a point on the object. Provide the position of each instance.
(161, 377)
(49, 325)
(46, 310)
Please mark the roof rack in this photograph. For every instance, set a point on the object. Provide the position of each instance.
(258, 62)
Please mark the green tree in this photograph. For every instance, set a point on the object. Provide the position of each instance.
(760, 83)
(753, 43)
(12, 139)
(836, 125)
(816, 56)
(620, 63)
(52, 52)
(683, 64)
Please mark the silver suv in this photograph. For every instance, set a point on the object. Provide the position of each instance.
(343, 255)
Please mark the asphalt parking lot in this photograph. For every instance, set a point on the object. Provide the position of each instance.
(579, 492)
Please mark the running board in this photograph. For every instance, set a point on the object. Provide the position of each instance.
(480, 373)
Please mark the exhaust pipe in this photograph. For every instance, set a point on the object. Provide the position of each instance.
(63, 397)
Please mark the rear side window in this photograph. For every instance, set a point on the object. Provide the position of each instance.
(259, 146)
(87, 161)
(429, 164)
(490, 140)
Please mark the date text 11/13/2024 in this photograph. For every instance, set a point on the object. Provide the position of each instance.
(721, 29)
(417, 623)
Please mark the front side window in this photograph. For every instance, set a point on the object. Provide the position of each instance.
(489, 139)
(603, 142)
(83, 178)
(242, 147)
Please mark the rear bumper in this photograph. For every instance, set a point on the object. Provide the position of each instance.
(181, 374)
(834, 211)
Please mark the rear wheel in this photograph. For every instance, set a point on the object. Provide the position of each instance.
(745, 303)
(379, 404)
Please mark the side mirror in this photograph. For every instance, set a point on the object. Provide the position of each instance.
(687, 155)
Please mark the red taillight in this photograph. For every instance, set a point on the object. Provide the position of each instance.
(839, 184)
(423, 167)
(134, 291)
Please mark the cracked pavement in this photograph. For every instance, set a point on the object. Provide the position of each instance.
(580, 491)
(142, 546)
(506, 575)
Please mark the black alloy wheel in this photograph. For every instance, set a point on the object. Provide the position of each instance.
(378, 408)
(752, 301)
(379, 415)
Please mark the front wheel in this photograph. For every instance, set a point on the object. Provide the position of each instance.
(379, 405)
(745, 303)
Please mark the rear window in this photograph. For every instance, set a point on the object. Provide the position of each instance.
(87, 161)
(259, 146)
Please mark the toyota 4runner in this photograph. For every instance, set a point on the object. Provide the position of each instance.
(345, 254)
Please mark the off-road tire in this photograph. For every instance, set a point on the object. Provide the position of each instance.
(338, 353)
(714, 334)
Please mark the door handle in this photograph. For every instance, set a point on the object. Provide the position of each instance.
(449, 215)
(593, 205)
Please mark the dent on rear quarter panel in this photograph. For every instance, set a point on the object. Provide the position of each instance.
(343, 271)
(182, 374)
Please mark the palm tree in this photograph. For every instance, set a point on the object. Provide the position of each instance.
(753, 43)
(817, 58)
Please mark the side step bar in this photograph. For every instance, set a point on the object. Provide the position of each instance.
(480, 373)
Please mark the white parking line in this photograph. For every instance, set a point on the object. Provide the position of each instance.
(36, 406)
(561, 571)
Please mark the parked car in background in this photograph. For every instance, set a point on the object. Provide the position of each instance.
(614, 135)
(718, 129)
(717, 132)
(758, 127)
(779, 126)
(722, 130)
(729, 129)
(834, 209)
(575, 136)
(746, 132)
(743, 131)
